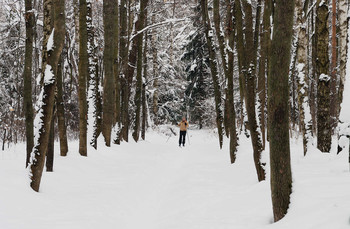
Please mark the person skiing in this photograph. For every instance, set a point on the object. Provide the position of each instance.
(183, 130)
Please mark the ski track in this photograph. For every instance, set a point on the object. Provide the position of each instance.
(157, 185)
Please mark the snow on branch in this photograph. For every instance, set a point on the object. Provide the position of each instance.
(157, 25)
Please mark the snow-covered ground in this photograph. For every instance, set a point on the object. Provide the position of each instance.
(154, 184)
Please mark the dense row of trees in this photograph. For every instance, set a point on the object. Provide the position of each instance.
(106, 68)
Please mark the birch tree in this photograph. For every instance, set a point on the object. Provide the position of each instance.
(324, 133)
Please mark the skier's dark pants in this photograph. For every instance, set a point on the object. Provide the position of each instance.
(182, 137)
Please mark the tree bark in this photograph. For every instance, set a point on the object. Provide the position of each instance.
(108, 62)
(48, 95)
(27, 78)
(343, 43)
(230, 98)
(95, 101)
(263, 68)
(214, 69)
(247, 55)
(51, 146)
(138, 95)
(144, 98)
(61, 123)
(324, 133)
(83, 76)
(334, 75)
(278, 96)
(123, 63)
(302, 79)
(155, 71)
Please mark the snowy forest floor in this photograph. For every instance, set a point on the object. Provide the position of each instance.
(154, 184)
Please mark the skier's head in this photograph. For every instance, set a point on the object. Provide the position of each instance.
(183, 118)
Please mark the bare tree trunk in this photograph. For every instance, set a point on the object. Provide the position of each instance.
(324, 133)
(27, 81)
(48, 95)
(51, 146)
(117, 68)
(155, 71)
(144, 98)
(123, 50)
(109, 78)
(343, 42)
(138, 95)
(334, 75)
(278, 96)
(83, 76)
(263, 62)
(61, 123)
(213, 68)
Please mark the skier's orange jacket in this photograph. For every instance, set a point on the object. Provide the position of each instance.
(183, 125)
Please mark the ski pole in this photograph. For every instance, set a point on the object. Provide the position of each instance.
(188, 137)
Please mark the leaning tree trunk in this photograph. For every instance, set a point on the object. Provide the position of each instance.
(27, 78)
(247, 56)
(83, 76)
(343, 42)
(302, 79)
(138, 94)
(109, 79)
(47, 98)
(324, 133)
(213, 68)
(278, 96)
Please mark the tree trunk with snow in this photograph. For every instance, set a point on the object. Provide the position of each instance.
(44, 116)
(278, 97)
(95, 100)
(247, 55)
(324, 132)
(230, 97)
(334, 70)
(302, 79)
(27, 78)
(214, 68)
